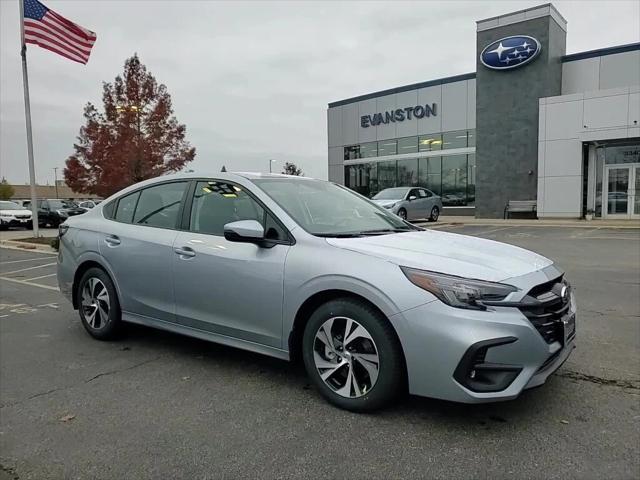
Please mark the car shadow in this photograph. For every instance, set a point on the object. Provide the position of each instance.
(287, 376)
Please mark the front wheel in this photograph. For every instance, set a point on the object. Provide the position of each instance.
(98, 305)
(352, 355)
(435, 213)
(402, 213)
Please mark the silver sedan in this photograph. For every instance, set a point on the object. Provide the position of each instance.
(410, 203)
(298, 268)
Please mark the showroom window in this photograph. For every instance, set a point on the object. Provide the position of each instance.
(408, 145)
(408, 173)
(369, 150)
(387, 147)
(386, 174)
(430, 174)
(428, 143)
(352, 152)
(454, 180)
(454, 139)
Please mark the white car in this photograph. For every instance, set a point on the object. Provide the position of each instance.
(14, 215)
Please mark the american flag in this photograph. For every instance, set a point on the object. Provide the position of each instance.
(47, 29)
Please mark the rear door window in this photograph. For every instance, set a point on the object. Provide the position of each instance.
(159, 205)
(126, 206)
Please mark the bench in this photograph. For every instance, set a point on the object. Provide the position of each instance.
(526, 206)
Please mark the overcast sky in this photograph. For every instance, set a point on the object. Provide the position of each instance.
(252, 80)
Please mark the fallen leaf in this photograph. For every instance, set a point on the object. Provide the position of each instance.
(566, 422)
(186, 378)
(67, 418)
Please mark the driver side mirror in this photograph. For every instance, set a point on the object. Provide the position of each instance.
(245, 231)
(412, 197)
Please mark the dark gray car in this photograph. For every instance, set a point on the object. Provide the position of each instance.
(410, 203)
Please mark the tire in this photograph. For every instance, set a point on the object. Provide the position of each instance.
(435, 213)
(402, 213)
(373, 388)
(91, 300)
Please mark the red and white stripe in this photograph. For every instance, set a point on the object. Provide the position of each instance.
(61, 36)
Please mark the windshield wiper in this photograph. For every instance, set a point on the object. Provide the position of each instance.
(384, 231)
(339, 235)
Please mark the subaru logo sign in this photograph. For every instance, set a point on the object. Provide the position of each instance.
(510, 52)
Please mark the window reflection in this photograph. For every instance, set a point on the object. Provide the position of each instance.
(454, 180)
(408, 172)
(454, 139)
(431, 142)
(408, 145)
(386, 175)
(430, 174)
(387, 147)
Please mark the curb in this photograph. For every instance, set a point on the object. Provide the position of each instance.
(27, 247)
(524, 224)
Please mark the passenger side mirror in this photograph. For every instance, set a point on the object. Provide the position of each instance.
(412, 197)
(247, 231)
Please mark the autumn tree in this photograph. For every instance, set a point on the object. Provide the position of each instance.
(6, 190)
(291, 169)
(134, 138)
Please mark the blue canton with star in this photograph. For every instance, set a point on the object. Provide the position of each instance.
(34, 9)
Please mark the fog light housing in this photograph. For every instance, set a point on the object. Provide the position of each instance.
(474, 373)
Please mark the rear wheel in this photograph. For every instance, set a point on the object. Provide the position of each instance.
(353, 356)
(402, 213)
(98, 305)
(435, 213)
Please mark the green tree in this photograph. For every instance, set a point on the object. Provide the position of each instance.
(6, 190)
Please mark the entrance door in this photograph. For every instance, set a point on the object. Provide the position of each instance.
(622, 191)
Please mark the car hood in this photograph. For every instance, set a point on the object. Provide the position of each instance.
(386, 203)
(15, 212)
(449, 253)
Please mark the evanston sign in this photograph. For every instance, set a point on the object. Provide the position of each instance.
(399, 115)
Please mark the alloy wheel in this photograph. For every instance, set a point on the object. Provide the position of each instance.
(402, 214)
(95, 303)
(346, 357)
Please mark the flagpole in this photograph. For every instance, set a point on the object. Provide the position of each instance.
(27, 114)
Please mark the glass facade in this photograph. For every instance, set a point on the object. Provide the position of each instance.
(422, 143)
(453, 177)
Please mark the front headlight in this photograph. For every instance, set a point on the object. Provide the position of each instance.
(62, 213)
(5, 215)
(457, 291)
(389, 207)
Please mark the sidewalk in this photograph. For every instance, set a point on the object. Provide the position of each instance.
(560, 222)
(11, 239)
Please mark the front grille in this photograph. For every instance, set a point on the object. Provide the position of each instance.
(546, 310)
(23, 216)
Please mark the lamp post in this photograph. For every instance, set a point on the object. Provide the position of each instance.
(271, 160)
(55, 176)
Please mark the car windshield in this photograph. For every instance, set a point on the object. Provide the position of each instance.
(10, 206)
(325, 209)
(391, 194)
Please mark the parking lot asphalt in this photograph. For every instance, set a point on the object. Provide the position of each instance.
(158, 405)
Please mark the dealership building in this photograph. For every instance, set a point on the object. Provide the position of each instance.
(532, 123)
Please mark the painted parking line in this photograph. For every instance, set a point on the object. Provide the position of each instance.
(31, 284)
(29, 268)
(26, 260)
(493, 230)
(41, 276)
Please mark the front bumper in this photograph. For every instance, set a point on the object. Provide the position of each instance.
(436, 338)
(15, 222)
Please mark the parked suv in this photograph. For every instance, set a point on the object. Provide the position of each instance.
(54, 211)
(298, 268)
(14, 215)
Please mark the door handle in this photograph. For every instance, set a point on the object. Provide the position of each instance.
(185, 251)
(112, 240)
